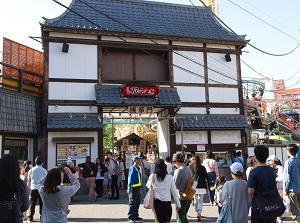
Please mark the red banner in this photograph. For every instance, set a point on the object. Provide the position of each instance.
(140, 91)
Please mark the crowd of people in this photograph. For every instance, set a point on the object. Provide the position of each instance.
(168, 178)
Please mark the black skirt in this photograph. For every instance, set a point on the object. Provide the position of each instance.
(163, 211)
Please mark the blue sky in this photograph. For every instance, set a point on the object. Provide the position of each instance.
(20, 19)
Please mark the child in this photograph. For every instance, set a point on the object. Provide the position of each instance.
(105, 183)
(218, 189)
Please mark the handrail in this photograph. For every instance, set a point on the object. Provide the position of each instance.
(24, 70)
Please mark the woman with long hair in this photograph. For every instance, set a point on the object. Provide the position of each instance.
(56, 197)
(101, 170)
(11, 186)
(200, 175)
(212, 170)
(122, 177)
(163, 186)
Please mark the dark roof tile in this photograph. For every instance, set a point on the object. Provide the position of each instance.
(212, 122)
(146, 17)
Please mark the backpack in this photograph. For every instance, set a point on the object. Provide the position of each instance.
(118, 170)
(9, 212)
(270, 204)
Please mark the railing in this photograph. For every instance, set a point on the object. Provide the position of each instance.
(21, 80)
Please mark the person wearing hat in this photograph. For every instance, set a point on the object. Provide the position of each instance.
(134, 189)
(237, 189)
(181, 177)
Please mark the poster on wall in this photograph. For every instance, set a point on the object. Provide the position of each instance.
(74, 151)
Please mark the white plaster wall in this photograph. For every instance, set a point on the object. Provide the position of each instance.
(181, 43)
(220, 137)
(224, 111)
(190, 110)
(220, 46)
(223, 95)
(79, 63)
(191, 94)
(73, 109)
(192, 137)
(227, 70)
(72, 35)
(183, 76)
(163, 138)
(52, 146)
(134, 40)
(71, 91)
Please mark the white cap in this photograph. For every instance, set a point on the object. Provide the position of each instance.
(236, 167)
(272, 157)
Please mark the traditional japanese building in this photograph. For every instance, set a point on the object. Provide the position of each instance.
(141, 57)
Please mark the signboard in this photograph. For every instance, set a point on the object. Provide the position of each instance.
(220, 137)
(200, 147)
(142, 145)
(139, 91)
(192, 137)
(73, 151)
(125, 144)
(128, 158)
(140, 109)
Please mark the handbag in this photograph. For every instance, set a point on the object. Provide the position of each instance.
(189, 192)
(226, 212)
(149, 198)
(270, 204)
(9, 211)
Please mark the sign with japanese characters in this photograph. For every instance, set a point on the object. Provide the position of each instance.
(139, 91)
(140, 109)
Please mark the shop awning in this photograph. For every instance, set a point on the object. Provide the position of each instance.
(193, 122)
(110, 95)
(73, 121)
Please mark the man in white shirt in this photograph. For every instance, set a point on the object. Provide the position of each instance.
(114, 178)
(35, 175)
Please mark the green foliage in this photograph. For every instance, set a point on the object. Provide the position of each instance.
(107, 137)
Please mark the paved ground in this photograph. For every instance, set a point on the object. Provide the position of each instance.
(106, 210)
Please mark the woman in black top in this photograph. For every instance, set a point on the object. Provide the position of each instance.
(200, 175)
(89, 174)
(101, 170)
(11, 186)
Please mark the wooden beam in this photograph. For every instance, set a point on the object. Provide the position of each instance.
(206, 79)
(100, 58)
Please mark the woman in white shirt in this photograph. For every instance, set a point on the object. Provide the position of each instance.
(169, 165)
(163, 186)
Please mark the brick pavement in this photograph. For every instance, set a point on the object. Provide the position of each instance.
(106, 210)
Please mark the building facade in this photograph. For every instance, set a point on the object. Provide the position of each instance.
(106, 57)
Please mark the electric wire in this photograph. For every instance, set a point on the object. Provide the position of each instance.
(258, 49)
(160, 58)
(263, 20)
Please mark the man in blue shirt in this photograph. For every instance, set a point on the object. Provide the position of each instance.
(261, 179)
(134, 189)
(291, 180)
(239, 158)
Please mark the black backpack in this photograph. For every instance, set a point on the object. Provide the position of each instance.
(270, 204)
(9, 212)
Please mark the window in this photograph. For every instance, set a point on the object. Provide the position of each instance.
(127, 64)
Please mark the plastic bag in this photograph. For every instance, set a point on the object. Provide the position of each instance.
(286, 202)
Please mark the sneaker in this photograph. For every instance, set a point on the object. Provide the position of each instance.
(29, 219)
(131, 221)
(138, 218)
(278, 220)
(199, 217)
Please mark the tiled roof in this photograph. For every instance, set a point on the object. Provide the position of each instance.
(19, 113)
(212, 122)
(145, 17)
(72, 121)
(110, 95)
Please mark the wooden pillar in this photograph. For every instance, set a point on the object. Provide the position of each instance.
(171, 67)
(100, 135)
(206, 79)
(172, 131)
(45, 101)
(99, 62)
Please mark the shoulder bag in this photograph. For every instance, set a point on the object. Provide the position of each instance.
(9, 211)
(149, 198)
(226, 212)
(189, 192)
(270, 204)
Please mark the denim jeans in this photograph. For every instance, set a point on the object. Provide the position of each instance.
(114, 185)
(181, 214)
(211, 194)
(134, 203)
